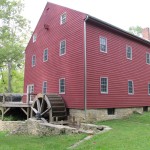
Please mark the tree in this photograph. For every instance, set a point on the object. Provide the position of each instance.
(136, 30)
(14, 31)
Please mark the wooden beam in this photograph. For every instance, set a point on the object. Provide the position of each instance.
(2, 113)
(5, 111)
(24, 111)
(50, 116)
(28, 113)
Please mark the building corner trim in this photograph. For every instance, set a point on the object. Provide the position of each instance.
(85, 68)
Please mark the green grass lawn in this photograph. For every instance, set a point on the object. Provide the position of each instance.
(132, 133)
(59, 142)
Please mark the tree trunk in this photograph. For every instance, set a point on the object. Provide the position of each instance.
(9, 77)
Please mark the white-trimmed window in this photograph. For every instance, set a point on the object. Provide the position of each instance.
(103, 44)
(34, 37)
(33, 60)
(104, 85)
(148, 58)
(44, 88)
(30, 88)
(30, 91)
(63, 18)
(129, 52)
(45, 55)
(130, 87)
(149, 88)
(62, 86)
(62, 47)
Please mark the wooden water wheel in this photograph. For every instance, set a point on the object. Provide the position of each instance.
(49, 108)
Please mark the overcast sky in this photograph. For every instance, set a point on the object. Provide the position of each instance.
(120, 13)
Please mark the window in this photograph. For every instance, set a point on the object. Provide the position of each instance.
(129, 52)
(130, 87)
(30, 91)
(111, 111)
(148, 88)
(63, 47)
(45, 55)
(34, 38)
(63, 18)
(145, 109)
(30, 88)
(103, 44)
(44, 89)
(33, 60)
(104, 85)
(148, 58)
(62, 86)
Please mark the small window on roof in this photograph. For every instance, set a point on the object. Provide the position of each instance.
(129, 52)
(34, 37)
(45, 55)
(148, 58)
(103, 44)
(63, 18)
(62, 47)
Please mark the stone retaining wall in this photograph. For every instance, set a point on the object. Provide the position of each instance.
(38, 128)
(101, 114)
(19, 127)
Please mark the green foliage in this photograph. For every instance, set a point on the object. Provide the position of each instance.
(17, 80)
(136, 30)
(14, 32)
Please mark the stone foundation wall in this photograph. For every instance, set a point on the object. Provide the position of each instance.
(101, 114)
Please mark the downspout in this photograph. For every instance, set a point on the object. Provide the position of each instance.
(85, 69)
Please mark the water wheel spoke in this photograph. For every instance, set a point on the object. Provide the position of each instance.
(35, 111)
(38, 106)
(45, 111)
(42, 105)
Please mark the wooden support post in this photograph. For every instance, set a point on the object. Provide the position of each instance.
(31, 114)
(50, 116)
(56, 119)
(28, 112)
(3, 98)
(2, 113)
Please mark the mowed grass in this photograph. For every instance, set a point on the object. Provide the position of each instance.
(59, 142)
(132, 133)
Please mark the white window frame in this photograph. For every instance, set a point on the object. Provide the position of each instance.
(33, 60)
(148, 88)
(44, 60)
(102, 92)
(132, 87)
(60, 49)
(148, 58)
(127, 46)
(30, 86)
(34, 37)
(63, 85)
(44, 87)
(100, 41)
(63, 18)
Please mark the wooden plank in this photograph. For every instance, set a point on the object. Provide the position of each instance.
(28, 113)
(24, 111)
(5, 111)
(15, 104)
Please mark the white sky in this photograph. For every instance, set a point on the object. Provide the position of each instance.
(120, 13)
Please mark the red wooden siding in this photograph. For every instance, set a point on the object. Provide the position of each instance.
(69, 66)
(117, 68)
